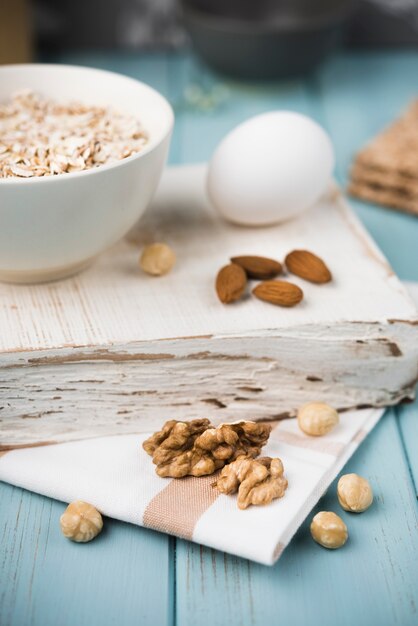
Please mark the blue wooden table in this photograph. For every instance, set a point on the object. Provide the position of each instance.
(135, 576)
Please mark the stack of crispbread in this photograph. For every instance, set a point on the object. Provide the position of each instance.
(386, 170)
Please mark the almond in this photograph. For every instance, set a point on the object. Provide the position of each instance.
(230, 283)
(308, 266)
(258, 267)
(278, 292)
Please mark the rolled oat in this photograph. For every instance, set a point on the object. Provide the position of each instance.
(40, 137)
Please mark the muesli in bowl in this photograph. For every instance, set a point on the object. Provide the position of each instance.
(81, 154)
(42, 137)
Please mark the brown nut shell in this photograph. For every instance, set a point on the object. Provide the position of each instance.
(197, 448)
(230, 283)
(257, 481)
(278, 292)
(307, 265)
(258, 267)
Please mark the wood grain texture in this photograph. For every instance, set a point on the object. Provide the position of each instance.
(67, 318)
(407, 418)
(369, 581)
(352, 97)
(113, 304)
(43, 576)
(136, 349)
(226, 378)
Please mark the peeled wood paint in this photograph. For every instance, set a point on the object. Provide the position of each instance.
(114, 355)
(112, 351)
(98, 355)
(144, 393)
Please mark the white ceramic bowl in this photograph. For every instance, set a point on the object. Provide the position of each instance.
(51, 227)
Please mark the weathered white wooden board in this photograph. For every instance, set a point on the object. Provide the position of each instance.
(113, 350)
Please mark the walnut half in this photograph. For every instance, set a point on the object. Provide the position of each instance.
(197, 448)
(258, 481)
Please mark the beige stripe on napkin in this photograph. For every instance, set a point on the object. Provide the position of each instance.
(178, 507)
(360, 436)
(333, 448)
(278, 551)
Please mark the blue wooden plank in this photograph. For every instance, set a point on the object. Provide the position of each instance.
(362, 93)
(123, 577)
(352, 116)
(199, 130)
(126, 575)
(151, 68)
(372, 580)
(359, 94)
(216, 588)
(407, 419)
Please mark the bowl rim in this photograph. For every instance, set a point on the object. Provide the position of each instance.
(149, 147)
(260, 27)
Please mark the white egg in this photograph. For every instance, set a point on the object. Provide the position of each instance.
(270, 168)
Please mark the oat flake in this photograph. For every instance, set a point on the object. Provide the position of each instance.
(40, 137)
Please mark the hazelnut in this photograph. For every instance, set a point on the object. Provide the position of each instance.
(81, 522)
(329, 530)
(157, 259)
(354, 493)
(317, 418)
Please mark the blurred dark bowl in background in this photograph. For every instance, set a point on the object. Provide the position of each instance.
(265, 39)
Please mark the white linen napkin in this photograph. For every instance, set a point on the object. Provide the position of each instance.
(118, 477)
